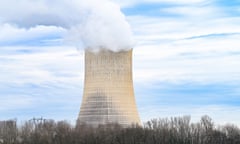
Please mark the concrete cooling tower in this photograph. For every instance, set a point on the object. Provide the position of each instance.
(108, 95)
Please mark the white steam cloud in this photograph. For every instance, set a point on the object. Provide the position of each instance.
(92, 24)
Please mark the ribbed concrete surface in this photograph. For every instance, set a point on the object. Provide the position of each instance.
(108, 95)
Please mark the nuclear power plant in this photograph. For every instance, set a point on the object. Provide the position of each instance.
(108, 95)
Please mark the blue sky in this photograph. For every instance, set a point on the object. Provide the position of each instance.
(186, 61)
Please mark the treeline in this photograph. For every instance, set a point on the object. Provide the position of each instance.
(177, 130)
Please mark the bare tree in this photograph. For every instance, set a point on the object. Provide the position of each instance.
(176, 130)
(8, 131)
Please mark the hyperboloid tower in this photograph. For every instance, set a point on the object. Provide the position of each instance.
(108, 95)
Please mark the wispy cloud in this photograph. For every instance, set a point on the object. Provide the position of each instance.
(41, 35)
(200, 45)
(41, 84)
(133, 3)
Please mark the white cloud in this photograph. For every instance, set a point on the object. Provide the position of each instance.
(203, 49)
(195, 11)
(48, 66)
(92, 24)
(131, 3)
(203, 60)
(28, 13)
(47, 83)
(156, 29)
(10, 34)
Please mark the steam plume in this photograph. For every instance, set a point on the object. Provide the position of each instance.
(92, 24)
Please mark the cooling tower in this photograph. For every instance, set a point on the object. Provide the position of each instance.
(108, 95)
